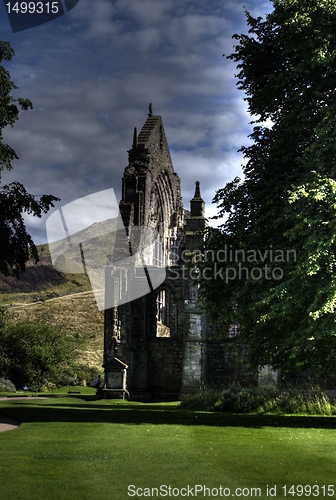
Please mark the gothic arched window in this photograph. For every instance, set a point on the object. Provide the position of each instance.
(163, 314)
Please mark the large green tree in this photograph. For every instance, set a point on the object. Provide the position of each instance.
(16, 245)
(273, 260)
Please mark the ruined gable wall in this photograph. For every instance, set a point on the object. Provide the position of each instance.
(151, 191)
(152, 203)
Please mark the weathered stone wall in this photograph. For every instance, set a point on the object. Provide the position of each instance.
(165, 366)
(224, 366)
(151, 192)
(194, 359)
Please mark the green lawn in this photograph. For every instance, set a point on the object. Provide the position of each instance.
(80, 448)
(86, 391)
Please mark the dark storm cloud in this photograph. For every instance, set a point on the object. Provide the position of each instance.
(91, 75)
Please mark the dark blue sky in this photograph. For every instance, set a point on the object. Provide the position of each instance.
(91, 74)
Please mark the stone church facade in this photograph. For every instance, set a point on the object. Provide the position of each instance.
(162, 343)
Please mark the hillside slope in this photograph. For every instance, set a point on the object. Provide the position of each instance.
(62, 298)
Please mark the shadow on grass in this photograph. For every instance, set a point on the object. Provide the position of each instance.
(89, 410)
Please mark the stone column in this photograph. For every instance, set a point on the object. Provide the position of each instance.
(193, 373)
(193, 369)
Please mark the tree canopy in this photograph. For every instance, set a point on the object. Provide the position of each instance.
(273, 267)
(16, 245)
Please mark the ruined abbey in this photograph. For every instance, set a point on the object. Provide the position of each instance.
(161, 345)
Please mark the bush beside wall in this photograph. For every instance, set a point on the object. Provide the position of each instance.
(236, 399)
(6, 385)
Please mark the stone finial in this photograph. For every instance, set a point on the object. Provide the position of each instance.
(150, 109)
(196, 203)
(197, 190)
(135, 138)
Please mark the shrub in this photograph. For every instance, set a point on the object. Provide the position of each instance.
(32, 351)
(47, 386)
(7, 385)
(236, 399)
(85, 374)
(203, 400)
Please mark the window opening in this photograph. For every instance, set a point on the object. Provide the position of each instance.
(234, 331)
(158, 257)
(130, 190)
(162, 314)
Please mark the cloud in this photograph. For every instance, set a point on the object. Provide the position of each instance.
(91, 75)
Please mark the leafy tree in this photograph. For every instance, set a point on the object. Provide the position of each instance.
(283, 213)
(16, 245)
(34, 351)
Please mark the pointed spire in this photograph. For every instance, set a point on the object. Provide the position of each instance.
(197, 203)
(197, 190)
(135, 138)
(150, 110)
(196, 222)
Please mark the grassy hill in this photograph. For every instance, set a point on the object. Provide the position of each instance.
(62, 291)
(63, 297)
